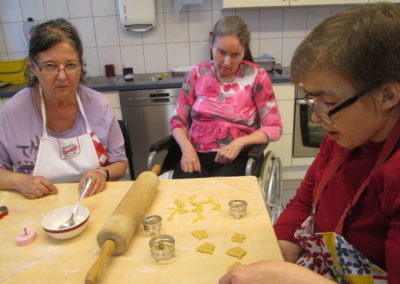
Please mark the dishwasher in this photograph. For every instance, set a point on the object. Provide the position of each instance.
(147, 113)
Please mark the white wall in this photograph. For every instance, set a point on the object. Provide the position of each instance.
(179, 39)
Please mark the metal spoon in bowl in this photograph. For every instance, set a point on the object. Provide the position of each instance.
(71, 222)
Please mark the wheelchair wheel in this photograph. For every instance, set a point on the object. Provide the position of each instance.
(270, 183)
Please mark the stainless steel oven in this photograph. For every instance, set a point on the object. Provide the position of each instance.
(307, 135)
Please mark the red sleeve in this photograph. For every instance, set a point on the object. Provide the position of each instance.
(391, 209)
(299, 207)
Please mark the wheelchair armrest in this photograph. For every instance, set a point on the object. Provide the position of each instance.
(257, 151)
(163, 144)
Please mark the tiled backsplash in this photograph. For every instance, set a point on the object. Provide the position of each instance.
(180, 39)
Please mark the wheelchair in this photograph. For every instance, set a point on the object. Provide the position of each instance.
(263, 164)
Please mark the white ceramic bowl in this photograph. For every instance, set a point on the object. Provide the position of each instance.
(55, 218)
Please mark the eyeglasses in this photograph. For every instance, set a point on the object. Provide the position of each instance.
(326, 116)
(51, 69)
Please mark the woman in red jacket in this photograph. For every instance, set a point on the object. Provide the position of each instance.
(343, 224)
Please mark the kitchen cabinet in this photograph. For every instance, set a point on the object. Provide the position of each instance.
(325, 2)
(376, 1)
(113, 98)
(283, 148)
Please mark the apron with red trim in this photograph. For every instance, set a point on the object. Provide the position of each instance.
(66, 160)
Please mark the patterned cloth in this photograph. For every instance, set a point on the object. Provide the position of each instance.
(330, 255)
(220, 112)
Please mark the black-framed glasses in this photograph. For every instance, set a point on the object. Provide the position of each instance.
(51, 69)
(326, 116)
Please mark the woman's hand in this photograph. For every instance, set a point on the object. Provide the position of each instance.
(34, 186)
(227, 154)
(99, 180)
(190, 161)
(272, 272)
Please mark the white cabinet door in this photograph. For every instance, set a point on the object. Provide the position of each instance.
(253, 3)
(324, 2)
(113, 97)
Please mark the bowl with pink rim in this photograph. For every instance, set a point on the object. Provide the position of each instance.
(52, 221)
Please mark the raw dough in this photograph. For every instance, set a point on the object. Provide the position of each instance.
(233, 265)
(206, 248)
(238, 238)
(200, 234)
(236, 252)
(198, 218)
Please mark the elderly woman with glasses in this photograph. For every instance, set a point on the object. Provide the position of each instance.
(343, 224)
(57, 130)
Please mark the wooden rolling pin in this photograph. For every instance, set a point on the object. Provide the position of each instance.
(119, 229)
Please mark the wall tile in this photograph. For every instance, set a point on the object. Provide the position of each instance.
(17, 55)
(271, 23)
(316, 15)
(110, 55)
(176, 26)
(106, 31)
(216, 15)
(3, 48)
(216, 5)
(199, 26)
(273, 47)
(252, 18)
(128, 37)
(133, 56)
(157, 35)
(56, 9)
(3, 57)
(199, 52)
(294, 22)
(85, 27)
(169, 6)
(289, 46)
(255, 47)
(80, 8)
(10, 11)
(155, 58)
(33, 9)
(178, 55)
(159, 6)
(205, 7)
(103, 8)
(339, 8)
(15, 41)
(92, 61)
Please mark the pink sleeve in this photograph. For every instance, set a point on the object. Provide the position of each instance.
(185, 101)
(268, 111)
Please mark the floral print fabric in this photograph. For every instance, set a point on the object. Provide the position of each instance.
(330, 255)
(221, 112)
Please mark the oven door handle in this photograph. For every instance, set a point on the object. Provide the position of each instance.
(302, 102)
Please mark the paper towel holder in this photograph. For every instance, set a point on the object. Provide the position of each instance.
(137, 15)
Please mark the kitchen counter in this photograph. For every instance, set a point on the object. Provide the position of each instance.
(141, 82)
(47, 260)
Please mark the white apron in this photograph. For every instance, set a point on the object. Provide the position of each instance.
(66, 160)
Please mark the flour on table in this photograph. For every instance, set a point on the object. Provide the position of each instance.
(200, 234)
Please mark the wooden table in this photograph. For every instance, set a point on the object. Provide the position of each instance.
(67, 261)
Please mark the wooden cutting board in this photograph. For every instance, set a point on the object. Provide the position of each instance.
(67, 261)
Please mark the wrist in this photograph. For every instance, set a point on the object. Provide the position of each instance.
(106, 171)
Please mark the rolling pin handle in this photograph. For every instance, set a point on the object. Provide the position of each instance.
(156, 169)
(96, 270)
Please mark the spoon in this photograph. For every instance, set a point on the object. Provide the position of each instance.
(71, 222)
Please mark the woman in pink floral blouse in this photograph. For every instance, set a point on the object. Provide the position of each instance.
(222, 102)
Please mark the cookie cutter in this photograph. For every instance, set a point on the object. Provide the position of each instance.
(162, 247)
(237, 208)
(152, 225)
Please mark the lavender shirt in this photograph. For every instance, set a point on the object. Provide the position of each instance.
(21, 128)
